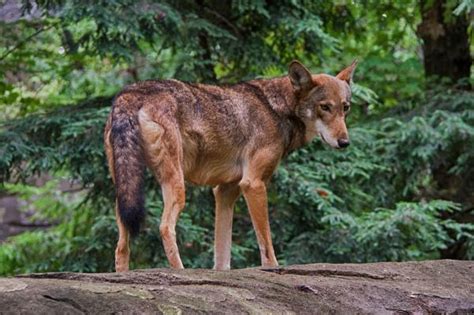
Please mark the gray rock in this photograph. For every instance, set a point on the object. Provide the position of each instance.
(430, 287)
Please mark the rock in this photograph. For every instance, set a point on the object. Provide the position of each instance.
(383, 288)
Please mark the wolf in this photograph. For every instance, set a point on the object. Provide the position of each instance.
(230, 137)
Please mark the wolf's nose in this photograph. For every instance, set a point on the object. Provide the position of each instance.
(342, 143)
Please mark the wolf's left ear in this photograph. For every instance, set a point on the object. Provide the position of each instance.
(300, 77)
(346, 74)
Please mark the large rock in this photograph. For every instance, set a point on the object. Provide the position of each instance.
(393, 288)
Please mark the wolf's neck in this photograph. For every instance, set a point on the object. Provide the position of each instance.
(279, 93)
(280, 96)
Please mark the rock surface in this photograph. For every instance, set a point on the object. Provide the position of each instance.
(430, 287)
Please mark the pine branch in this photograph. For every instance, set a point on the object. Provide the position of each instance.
(28, 38)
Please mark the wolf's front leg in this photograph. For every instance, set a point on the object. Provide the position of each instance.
(255, 194)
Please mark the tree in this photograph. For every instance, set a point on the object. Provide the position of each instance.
(445, 41)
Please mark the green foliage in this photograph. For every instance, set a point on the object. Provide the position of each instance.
(464, 6)
(411, 231)
(64, 140)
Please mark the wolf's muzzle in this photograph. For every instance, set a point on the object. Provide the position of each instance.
(343, 143)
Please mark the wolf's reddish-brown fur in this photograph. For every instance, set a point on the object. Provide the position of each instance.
(229, 137)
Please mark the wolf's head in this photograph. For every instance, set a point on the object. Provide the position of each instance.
(323, 102)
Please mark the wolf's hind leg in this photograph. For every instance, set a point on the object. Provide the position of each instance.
(163, 148)
(225, 196)
(174, 199)
(122, 251)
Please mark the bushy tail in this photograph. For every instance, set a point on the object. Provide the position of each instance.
(128, 167)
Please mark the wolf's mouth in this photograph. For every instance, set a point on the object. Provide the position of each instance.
(322, 137)
(325, 141)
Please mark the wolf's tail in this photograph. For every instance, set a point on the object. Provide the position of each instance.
(128, 166)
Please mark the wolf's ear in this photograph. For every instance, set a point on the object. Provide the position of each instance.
(300, 77)
(346, 74)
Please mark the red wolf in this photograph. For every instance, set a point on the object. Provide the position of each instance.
(230, 137)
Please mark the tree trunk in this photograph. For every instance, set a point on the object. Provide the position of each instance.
(430, 287)
(445, 41)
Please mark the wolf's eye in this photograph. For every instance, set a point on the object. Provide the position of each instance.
(325, 108)
(346, 108)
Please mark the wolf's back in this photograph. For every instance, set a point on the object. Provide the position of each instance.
(128, 163)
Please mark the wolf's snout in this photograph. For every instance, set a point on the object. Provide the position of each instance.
(343, 143)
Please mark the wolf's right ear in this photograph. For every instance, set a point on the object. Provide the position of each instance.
(300, 77)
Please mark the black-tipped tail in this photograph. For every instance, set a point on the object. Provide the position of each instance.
(132, 217)
(128, 167)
